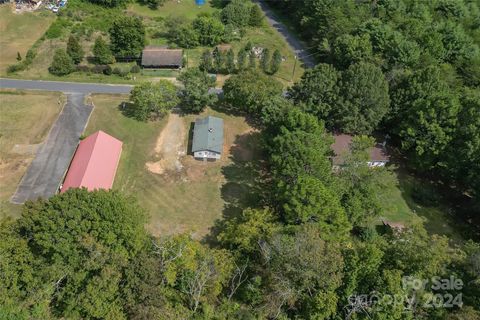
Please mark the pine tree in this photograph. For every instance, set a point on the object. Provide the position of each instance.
(276, 61)
(265, 61)
(256, 16)
(206, 61)
(241, 59)
(230, 61)
(74, 49)
(102, 53)
(219, 60)
(62, 63)
(252, 63)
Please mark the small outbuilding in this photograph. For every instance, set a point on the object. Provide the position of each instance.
(95, 163)
(159, 57)
(341, 147)
(208, 138)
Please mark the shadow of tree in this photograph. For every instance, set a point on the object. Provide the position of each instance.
(246, 183)
(127, 109)
(223, 107)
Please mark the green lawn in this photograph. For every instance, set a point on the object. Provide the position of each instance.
(25, 120)
(185, 8)
(191, 200)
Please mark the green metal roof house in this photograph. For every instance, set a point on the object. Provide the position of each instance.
(208, 138)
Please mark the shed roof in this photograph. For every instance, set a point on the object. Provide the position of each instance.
(153, 56)
(95, 163)
(208, 134)
(341, 147)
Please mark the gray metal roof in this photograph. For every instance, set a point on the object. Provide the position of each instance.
(208, 134)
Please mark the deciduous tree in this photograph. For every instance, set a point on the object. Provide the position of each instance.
(153, 100)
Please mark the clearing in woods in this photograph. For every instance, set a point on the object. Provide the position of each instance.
(185, 195)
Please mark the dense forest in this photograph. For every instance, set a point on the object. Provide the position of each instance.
(409, 68)
(311, 247)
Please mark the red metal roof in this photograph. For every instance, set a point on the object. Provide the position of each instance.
(95, 163)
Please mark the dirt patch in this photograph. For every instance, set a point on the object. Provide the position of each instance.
(169, 147)
(25, 149)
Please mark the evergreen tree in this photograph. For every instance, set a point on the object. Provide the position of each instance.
(74, 49)
(218, 60)
(102, 52)
(276, 61)
(265, 60)
(252, 60)
(241, 59)
(256, 16)
(230, 61)
(62, 63)
(206, 61)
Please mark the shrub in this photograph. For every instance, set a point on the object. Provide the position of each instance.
(98, 68)
(82, 68)
(135, 69)
(116, 70)
(108, 70)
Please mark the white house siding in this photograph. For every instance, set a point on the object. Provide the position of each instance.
(205, 154)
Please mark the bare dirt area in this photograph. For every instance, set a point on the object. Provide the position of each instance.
(169, 147)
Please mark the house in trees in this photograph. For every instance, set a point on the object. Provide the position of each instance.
(154, 57)
(208, 138)
(94, 164)
(341, 147)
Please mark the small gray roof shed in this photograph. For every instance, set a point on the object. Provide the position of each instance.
(159, 57)
(208, 134)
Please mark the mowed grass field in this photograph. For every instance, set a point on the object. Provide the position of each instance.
(187, 201)
(18, 32)
(25, 120)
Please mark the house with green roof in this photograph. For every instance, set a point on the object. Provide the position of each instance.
(208, 138)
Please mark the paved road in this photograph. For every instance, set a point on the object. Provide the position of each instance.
(297, 46)
(66, 87)
(46, 172)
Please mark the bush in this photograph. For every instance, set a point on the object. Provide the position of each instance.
(135, 69)
(108, 70)
(82, 68)
(57, 28)
(15, 67)
(98, 68)
(117, 71)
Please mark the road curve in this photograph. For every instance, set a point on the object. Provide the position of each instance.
(65, 87)
(297, 46)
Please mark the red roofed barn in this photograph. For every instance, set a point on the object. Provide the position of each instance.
(95, 163)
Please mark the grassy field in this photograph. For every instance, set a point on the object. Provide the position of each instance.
(186, 8)
(190, 200)
(25, 120)
(19, 32)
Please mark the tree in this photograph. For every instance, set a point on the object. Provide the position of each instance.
(19, 57)
(153, 100)
(426, 117)
(303, 271)
(248, 90)
(187, 37)
(110, 3)
(209, 29)
(318, 90)
(127, 37)
(276, 61)
(241, 59)
(236, 13)
(84, 240)
(365, 100)
(308, 200)
(230, 61)
(206, 61)
(62, 63)
(265, 60)
(195, 95)
(218, 60)
(74, 49)
(154, 4)
(252, 60)
(101, 52)
(350, 49)
(256, 16)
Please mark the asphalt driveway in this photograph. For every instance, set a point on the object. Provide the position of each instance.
(46, 172)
